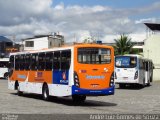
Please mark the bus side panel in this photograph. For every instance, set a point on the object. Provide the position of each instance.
(30, 81)
(3, 71)
(59, 90)
(62, 80)
(60, 77)
(16, 75)
(40, 77)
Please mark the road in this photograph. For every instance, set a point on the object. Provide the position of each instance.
(125, 101)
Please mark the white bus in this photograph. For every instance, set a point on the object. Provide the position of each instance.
(4, 67)
(133, 69)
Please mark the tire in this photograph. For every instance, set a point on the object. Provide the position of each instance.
(78, 98)
(122, 85)
(143, 85)
(45, 93)
(6, 75)
(19, 93)
(149, 83)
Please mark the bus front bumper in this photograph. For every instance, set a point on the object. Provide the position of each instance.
(101, 92)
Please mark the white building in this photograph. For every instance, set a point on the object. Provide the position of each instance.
(152, 47)
(42, 42)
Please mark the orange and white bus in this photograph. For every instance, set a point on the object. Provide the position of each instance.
(77, 71)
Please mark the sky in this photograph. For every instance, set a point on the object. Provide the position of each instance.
(78, 19)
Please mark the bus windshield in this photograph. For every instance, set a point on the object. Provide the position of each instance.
(126, 61)
(3, 64)
(94, 55)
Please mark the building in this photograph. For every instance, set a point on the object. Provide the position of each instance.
(4, 44)
(42, 42)
(151, 48)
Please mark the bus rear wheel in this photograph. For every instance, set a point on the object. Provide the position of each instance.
(45, 93)
(20, 93)
(78, 98)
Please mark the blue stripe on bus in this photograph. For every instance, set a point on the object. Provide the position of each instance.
(80, 91)
(60, 77)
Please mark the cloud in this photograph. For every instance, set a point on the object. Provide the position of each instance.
(32, 17)
(151, 20)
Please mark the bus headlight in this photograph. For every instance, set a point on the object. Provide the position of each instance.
(112, 80)
(76, 80)
(136, 75)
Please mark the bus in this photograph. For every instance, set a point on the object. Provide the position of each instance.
(133, 69)
(80, 70)
(4, 67)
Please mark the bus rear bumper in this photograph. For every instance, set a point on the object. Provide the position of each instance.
(88, 92)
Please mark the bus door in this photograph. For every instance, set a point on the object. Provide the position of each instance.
(146, 71)
(61, 67)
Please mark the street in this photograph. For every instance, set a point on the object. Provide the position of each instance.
(125, 101)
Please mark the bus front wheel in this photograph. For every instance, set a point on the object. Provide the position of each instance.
(45, 92)
(78, 98)
(6, 75)
(122, 85)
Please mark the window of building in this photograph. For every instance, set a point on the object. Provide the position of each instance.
(29, 43)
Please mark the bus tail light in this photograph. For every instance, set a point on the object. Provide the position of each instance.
(112, 80)
(136, 75)
(76, 80)
(82, 71)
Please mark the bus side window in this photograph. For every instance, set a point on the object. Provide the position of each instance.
(27, 62)
(56, 60)
(147, 66)
(141, 64)
(34, 61)
(21, 62)
(11, 61)
(17, 60)
(65, 59)
(49, 60)
(41, 60)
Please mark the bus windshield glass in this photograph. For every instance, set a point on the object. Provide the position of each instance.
(94, 55)
(126, 61)
(3, 64)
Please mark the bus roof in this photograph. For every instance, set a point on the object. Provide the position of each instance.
(132, 55)
(62, 48)
(135, 55)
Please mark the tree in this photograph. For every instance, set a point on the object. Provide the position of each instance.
(123, 45)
